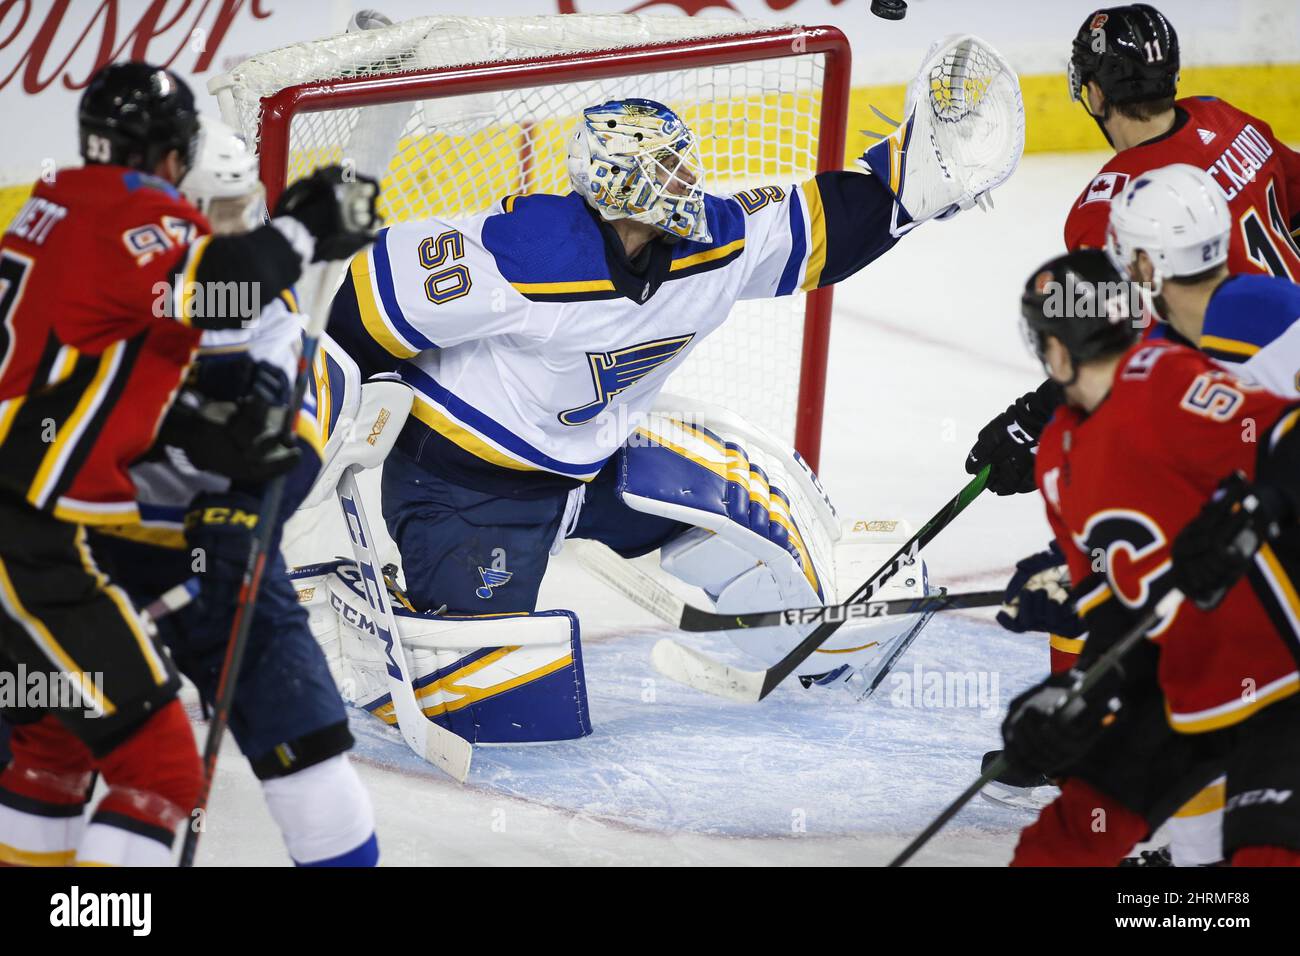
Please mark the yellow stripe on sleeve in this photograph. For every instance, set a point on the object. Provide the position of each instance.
(371, 317)
(1285, 589)
(816, 235)
(1280, 430)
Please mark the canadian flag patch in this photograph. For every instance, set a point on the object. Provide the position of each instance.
(1104, 187)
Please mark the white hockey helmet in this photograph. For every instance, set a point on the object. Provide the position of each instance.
(223, 183)
(1177, 216)
(636, 159)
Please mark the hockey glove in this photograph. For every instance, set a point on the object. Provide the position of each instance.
(244, 440)
(1045, 731)
(337, 209)
(1009, 441)
(219, 533)
(1038, 596)
(1216, 547)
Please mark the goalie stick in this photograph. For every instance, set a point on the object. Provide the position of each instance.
(439, 746)
(642, 589)
(690, 667)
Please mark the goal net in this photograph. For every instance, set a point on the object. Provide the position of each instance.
(455, 113)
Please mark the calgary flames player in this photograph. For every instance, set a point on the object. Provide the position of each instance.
(1124, 70)
(1124, 484)
(103, 275)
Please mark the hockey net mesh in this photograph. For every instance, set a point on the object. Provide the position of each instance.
(757, 122)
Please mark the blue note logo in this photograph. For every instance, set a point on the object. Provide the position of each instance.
(615, 372)
(492, 578)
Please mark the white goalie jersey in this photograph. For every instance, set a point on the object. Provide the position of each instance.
(529, 349)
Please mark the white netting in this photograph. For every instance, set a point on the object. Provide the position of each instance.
(758, 122)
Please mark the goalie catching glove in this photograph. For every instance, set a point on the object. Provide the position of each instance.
(962, 135)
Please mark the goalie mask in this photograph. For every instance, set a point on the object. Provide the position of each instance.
(223, 183)
(635, 159)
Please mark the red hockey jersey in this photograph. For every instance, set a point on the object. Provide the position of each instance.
(1120, 484)
(1259, 176)
(89, 359)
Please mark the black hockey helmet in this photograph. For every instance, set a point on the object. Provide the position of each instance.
(133, 114)
(1131, 52)
(1081, 299)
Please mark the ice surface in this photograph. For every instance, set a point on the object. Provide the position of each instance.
(925, 348)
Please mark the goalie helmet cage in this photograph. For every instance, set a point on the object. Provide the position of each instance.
(456, 113)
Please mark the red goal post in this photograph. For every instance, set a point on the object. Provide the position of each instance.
(274, 123)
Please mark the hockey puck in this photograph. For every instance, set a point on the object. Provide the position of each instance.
(889, 9)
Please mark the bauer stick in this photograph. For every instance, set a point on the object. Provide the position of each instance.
(690, 667)
(644, 590)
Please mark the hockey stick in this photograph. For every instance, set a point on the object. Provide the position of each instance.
(642, 589)
(170, 601)
(436, 744)
(690, 667)
(1162, 609)
(259, 549)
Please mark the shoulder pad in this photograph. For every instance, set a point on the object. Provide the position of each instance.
(547, 245)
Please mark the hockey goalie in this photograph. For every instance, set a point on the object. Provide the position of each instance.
(515, 363)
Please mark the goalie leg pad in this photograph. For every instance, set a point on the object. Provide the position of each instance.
(505, 678)
(744, 495)
(629, 532)
(761, 533)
